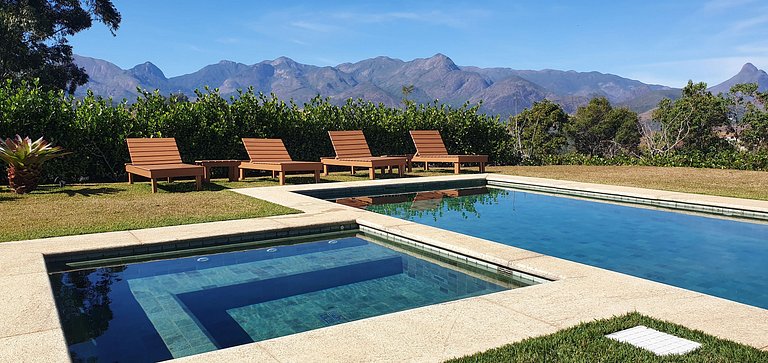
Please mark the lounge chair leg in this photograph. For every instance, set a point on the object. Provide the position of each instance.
(482, 167)
(372, 173)
(170, 180)
(274, 174)
(383, 170)
(325, 170)
(400, 171)
(426, 166)
(353, 170)
(282, 177)
(198, 182)
(317, 176)
(232, 173)
(456, 168)
(154, 185)
(390, 169)
(207, 172)
(130, 178)
(242, 174)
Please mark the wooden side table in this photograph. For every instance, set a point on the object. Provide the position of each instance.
(231, 165)
(408, 163)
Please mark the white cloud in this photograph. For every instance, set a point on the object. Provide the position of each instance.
(435, 17)
(749, 23)
(759, 48)
(375, 17)
(315, 27)
(194, 48)
(714, 6)
(227, 40)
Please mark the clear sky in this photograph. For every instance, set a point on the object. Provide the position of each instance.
(664, 42)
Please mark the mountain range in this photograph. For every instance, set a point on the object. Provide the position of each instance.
(503, 91)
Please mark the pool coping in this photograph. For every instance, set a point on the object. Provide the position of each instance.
(30, 328)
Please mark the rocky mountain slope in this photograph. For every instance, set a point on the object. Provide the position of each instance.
(503, 91)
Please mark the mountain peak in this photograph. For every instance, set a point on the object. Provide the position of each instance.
(748, 74)
(439, 60)
(748, 68)
(148, 67)
(283, 59)
(147, 73)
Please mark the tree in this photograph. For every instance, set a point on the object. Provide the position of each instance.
(407, 90)
(33, 38)
(538, 131)
(748, 110)
(599, 129)
(689, 123)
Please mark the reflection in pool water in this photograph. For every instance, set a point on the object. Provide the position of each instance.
(721, 257)
(429, 203)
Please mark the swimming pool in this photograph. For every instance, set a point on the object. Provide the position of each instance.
(715, 256)
(161, 309)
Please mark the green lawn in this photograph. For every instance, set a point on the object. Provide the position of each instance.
(53, 211)
(722, 182)
(88, 208)
(587, 343)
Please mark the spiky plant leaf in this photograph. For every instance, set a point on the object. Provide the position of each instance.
(23, 152)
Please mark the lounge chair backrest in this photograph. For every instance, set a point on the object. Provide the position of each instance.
(349, 144)
(153, 151)
(272, 150)
(428, 142)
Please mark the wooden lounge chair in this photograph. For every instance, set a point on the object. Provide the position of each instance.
(155, 158)
(352, 150)
(431, 149)
(271, 155)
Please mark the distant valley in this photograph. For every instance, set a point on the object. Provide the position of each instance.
(503, 91)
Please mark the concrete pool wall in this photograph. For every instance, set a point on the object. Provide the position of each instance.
(30, 329)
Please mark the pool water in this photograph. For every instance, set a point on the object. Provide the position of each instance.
(720, 257)
(157, 310)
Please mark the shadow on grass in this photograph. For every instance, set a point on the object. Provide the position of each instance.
(187, 186)
(8, 196)
(86, 192)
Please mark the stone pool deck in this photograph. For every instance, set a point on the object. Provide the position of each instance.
(30, 329)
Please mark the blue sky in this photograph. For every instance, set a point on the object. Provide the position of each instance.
(665, 42)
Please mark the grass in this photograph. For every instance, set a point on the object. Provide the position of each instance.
(53, 211)
(90, 208)
(587, 343)
(727, 183)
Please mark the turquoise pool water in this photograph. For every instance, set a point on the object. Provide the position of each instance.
(719, 257)
(158, 310)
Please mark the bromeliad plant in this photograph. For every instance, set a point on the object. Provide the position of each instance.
(25, 160)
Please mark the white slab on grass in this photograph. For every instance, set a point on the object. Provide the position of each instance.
(657, 342)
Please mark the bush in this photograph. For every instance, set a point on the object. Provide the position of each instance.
(95, 128)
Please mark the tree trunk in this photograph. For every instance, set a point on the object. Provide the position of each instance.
(24, 180)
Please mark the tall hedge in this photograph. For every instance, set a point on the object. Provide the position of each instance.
(95, 128)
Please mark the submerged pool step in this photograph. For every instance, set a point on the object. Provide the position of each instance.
(225, 332)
